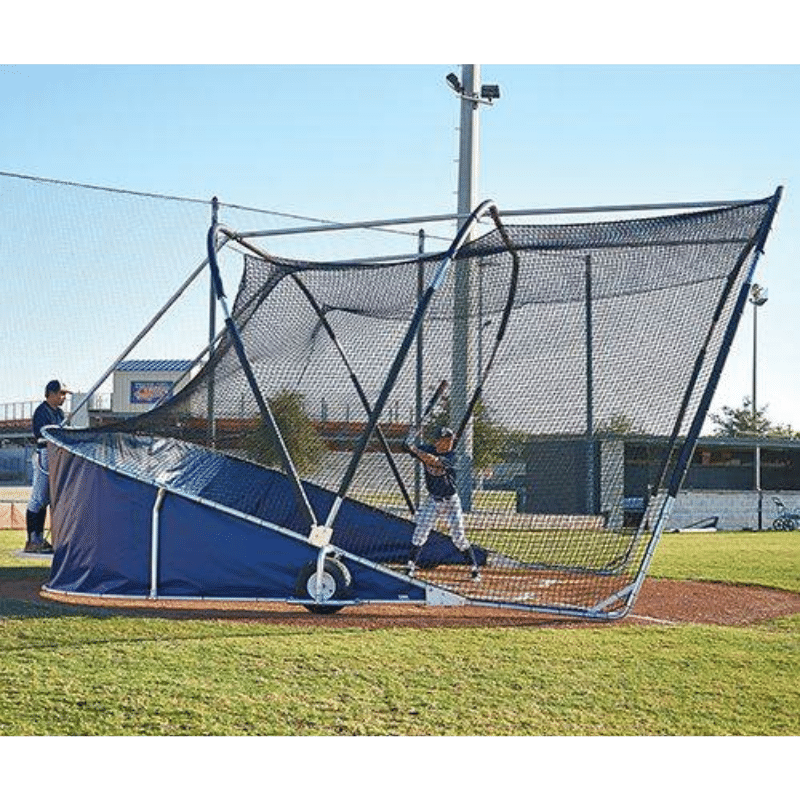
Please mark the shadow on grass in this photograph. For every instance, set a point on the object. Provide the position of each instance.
(42, 609)
(24, 572)
(19, 587)
(19, 599)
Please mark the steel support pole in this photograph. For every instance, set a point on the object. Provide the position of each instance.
(147, 328)
(757, 299)
(212, 332)
(590, 440)
(461, 360)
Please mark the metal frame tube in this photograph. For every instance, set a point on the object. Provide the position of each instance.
(345, 360)
(529, 212)
(402, 353)
(147, 328)
(419, 372)
(589, 355)
(324, 552)
(484, 370)
(682, 463)
(263, 406)
(155, 536)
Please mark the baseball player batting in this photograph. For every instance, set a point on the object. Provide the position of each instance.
(443, 499)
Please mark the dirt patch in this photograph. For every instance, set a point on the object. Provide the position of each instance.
(714, 603)
(660, 602)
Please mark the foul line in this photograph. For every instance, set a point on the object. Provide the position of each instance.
(653, 619)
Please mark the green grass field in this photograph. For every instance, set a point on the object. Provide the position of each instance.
(768, 558)
(68, 671)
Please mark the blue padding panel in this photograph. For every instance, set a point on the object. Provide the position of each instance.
(260, 492)
(204, 551)
(102, 528)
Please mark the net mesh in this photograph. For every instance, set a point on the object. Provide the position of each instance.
(596, 333)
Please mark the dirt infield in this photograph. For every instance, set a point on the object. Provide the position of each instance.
(661, 602)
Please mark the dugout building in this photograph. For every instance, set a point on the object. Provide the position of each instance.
(575, 476)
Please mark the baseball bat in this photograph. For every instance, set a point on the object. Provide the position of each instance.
(431, 404)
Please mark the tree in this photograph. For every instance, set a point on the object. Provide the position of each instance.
(617, 424)
(742, 422)
(492, 444)
(302, 440)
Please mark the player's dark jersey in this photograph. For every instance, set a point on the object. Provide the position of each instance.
(443, 485)
(45, 414)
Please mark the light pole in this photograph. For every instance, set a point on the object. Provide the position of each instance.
(472, 95)
(758, 296)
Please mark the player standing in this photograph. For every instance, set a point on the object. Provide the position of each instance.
(440, 481)
(48, 412)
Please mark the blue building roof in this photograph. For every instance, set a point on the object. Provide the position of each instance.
(163, 365)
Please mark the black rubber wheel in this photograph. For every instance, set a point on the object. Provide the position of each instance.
(336, 582)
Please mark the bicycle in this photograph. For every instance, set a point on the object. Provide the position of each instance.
(788, 519)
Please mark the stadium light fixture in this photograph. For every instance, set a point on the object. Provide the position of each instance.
(455, 83)
(489, 91)
(758, 295)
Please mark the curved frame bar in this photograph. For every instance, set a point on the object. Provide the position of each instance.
(402, 353)
(263, 406)
(239, 238)
(501, 330)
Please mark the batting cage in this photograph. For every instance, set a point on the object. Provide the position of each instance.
(306, 459)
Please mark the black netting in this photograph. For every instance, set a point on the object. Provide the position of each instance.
(613, 333)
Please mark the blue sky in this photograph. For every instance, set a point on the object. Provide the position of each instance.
(369, 140)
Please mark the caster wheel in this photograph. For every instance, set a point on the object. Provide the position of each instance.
(334, 584)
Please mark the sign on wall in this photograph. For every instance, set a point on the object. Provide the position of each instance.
(148, 392)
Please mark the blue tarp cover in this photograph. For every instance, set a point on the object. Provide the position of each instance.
(104, 487)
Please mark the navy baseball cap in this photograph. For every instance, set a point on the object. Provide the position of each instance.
(55, 387)
(444, 433)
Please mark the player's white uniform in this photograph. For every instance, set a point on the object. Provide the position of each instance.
(450, 509)
(442, 500)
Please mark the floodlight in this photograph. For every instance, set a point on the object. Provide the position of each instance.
(490, 91)
(455, 83)
(758, 295)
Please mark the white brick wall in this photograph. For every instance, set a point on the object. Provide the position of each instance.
(736, 510)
